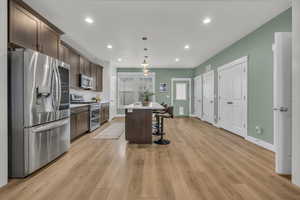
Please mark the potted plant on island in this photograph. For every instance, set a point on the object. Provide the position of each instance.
(146, 98)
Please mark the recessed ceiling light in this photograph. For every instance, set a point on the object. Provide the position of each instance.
(120, 59)
(109, 46)
(207, 20)
(187, 46)
(177, 59)
(89, 20)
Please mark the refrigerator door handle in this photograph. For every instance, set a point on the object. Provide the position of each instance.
(53, 90)
(57, 86)
(50, 126)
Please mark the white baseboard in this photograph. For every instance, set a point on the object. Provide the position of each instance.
(261, 143)
(193, 115)
(216, 124)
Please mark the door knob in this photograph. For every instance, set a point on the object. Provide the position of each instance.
(211, 101)
(281, 109)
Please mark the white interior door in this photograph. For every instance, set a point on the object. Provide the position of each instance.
(282, 77)
(198, 96)
(181, 96)
(232, 97)
(208, 97)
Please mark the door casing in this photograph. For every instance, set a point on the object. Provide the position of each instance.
(244, 62)
(190, 91)
(212, 101)
(199, 97)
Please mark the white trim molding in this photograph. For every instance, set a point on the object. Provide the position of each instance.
(3, 95)
(260, 143)
(190, 91)
(215, 99)
(235, 62)
(296, 94)
(196, 78)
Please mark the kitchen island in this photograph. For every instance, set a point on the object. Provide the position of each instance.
(138, 122)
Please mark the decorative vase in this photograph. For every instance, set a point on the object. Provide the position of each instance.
(145, 103)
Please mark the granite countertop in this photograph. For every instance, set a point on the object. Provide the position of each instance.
(80, 105)
(151, 106)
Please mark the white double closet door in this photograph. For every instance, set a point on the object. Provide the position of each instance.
(198, 96)
(208, 97)
(232, 90)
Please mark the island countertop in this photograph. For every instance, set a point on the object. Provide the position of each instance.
(151, 106)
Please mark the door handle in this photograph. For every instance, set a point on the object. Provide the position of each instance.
(281, 109)
(211, 101)
(52, 125)
(229, 102)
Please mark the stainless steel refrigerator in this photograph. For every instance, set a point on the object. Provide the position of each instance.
(39, 111)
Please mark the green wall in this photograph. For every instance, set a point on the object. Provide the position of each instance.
(258, 47)
(162, 76)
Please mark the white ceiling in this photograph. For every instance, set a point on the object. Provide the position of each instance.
(168, 24)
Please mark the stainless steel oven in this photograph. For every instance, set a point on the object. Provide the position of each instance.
(86, 82)
(95, 116)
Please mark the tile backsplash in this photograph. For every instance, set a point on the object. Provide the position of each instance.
(87, 94)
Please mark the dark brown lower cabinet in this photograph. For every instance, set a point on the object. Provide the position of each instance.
(104, 112)
(138, 126)
(80, 121)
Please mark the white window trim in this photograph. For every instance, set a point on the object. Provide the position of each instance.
(190, 91)
(133, 74)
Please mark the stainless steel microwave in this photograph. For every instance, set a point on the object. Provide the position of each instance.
(86, 82)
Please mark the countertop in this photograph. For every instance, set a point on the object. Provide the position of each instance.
(152, 106)
(80, 105)
(77, 105)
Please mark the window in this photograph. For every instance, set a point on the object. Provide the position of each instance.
(131, 86)
(180, 91)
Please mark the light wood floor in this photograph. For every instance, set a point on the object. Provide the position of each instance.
(202, 162)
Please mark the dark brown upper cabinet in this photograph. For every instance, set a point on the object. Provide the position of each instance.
(48, 40)
(71, 57)
(94, 75)
(64, 53)
(74, 60)
(23, 27)
(85, 66)
(28, 29)
(99, 84)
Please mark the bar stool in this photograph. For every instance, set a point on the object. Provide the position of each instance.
(156, 125)
(167, 115)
